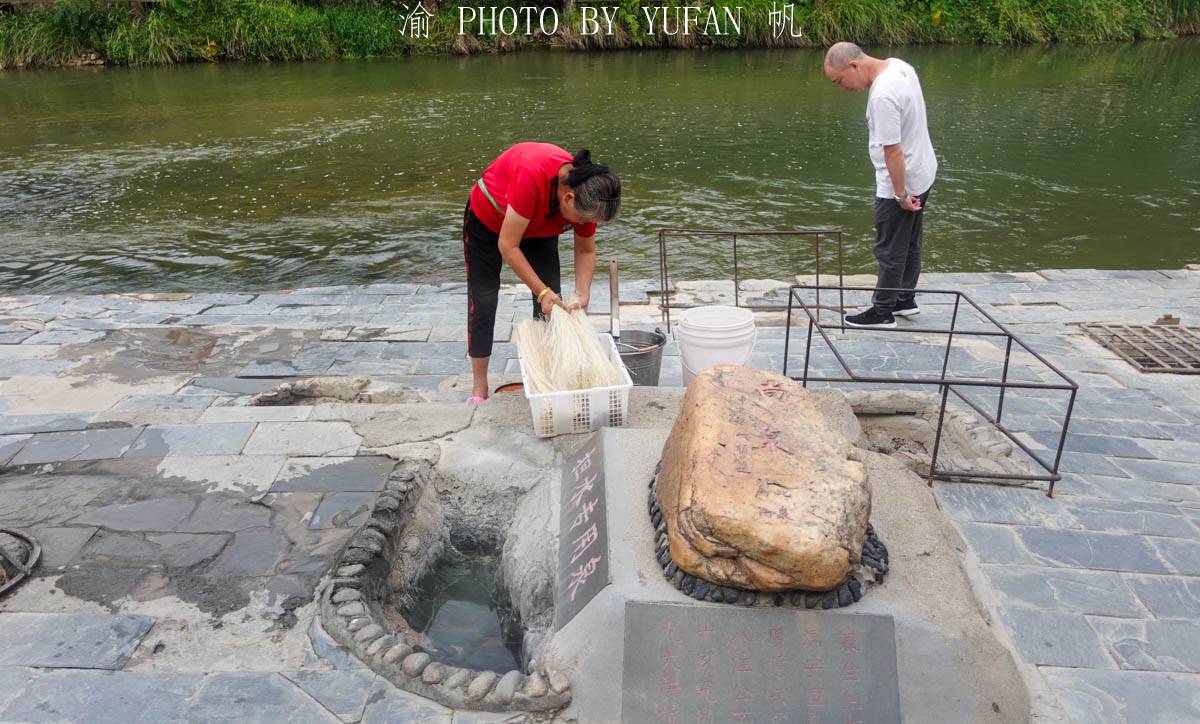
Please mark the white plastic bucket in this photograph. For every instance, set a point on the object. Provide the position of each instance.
(714, 335)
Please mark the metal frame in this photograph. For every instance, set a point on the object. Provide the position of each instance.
(1121, 338)
(945, 384)
(664, 302)
(24, 568)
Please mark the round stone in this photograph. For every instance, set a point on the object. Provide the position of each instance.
(433, 673)
(357, 555)
(856, 590)
(344, 595)
(373, 534)
(845, 598)
(558, 681)
(506, 689)
(777, 599)
(811, 599)
(378, 645)
(670, 569)
(748, 598)
(701, 590)
(351, 570)
(688, 584)
(396, 653)
(357, 623)
(387, 503)
(387, 527)
(414, 664)
(829, 600)
(797, 598)
(481, 684)
(716, 595)
(535, 686)
(368, 544)
(352, 609)
(458, 679)
(368, 633)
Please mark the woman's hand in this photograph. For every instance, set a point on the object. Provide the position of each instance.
(581, 304)
(549, 302)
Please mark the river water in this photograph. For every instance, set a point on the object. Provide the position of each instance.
(286, 175)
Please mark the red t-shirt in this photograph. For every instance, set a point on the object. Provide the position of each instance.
(521, 178)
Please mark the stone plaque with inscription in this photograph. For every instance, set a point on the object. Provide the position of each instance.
(691, 664)
(582, 531)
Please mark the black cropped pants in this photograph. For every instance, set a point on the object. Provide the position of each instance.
(481, 247)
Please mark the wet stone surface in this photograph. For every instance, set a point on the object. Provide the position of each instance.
(1098, 587)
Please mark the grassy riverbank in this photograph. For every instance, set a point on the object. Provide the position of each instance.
(221, 30)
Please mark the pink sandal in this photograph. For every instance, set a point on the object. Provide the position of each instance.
(476, 400)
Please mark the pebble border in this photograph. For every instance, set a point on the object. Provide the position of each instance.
(874, 561)
(351, 600)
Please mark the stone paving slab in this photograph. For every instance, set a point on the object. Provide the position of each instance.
(303, 438)
(248, 474)
(1055, 639)
(1151, 645)
(400, 706)
(1089, 592)
(342, 510)
(1108, 697)
(78, 641)
(344, 692)
(215, 439)
(348, 474)
(15, 424)
(156, 514)
(61, 545)
(102, 696)
(53, 447)
(253, 697)
(9, 445)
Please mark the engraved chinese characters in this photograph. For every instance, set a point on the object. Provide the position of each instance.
(759, 492)
(582, 531)
(703, 665)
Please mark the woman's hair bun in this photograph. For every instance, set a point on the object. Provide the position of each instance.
(583, 157)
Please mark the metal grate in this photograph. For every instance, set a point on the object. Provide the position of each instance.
(1151, 347)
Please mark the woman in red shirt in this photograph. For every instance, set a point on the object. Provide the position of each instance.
(525, 199)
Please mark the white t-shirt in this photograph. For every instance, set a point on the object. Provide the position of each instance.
(896, 114)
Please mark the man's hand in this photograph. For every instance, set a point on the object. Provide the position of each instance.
(549, 302)
(581, 304)
(910, 203)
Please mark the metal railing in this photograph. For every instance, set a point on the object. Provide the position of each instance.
(946, 384)
(814, 234)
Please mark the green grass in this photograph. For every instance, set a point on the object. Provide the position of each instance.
(178, 31)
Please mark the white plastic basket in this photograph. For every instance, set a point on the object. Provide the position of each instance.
(560, 413)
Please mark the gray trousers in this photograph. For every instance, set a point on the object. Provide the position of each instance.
(897, 250)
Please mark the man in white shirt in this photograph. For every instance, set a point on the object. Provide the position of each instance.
(905, 167)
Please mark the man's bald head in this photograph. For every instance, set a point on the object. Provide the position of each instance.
(840, 55)
(849, 67)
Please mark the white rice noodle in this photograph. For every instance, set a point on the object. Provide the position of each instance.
(563, 354)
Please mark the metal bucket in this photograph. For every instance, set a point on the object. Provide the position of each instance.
(641, 352)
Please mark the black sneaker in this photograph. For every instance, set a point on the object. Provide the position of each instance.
(906, 308)
(872, 318)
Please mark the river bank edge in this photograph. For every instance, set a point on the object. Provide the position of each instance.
(87, 34)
